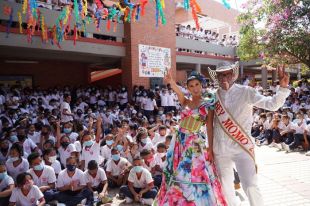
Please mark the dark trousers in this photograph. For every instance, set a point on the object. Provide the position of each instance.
(157, 180)
(268, 135)
(5, 200)
(298, 138)
(72, 198)
(50, 195)
(99, 188)
(288, 138)
(149, 194)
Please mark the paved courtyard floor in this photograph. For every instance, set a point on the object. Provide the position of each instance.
(284, 179)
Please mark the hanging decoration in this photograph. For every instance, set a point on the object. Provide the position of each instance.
(20, 22)
(226, 4)
(118, 13)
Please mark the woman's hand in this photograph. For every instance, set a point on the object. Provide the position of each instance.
(210, 155)
(168, 77)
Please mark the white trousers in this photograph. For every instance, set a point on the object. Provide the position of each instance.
(247, 173)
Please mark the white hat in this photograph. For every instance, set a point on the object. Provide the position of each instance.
(222, 67)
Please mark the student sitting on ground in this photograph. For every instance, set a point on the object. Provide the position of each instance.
(26, 193)
(6, 185)
(140, 186)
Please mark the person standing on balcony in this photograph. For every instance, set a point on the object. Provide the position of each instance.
(232, 142)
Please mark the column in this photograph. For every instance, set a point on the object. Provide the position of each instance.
(198, 68)
(274, 75)
(264, 77)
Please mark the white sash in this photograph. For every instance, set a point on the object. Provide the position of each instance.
(232, 128)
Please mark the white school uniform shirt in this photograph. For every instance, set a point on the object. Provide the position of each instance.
(307, 129)
(300, 128)
(78, 178)
(158, 139)
(100, 177)
(145, 179)
(267, 124)
(149, 146)
(30, 200)
(14, 171)
(105, 152)
(64, 117)
(151, 165)
(47, 177)
(65, 153)
(116, 169)
(35, 137)
(239, 101)
(159, 161)
(91, 153)
(56, 166)
(28, 146)
(124, 98)
(149, 104)
(164, 99)
(286, 128)
(6, 182)
(171, 100)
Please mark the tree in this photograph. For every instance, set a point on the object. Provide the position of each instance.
(277, 31)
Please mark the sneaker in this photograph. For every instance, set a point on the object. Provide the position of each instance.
(121, 196)
(308, 153)
(257, 142)
(278, 146)
(272, 144)
(128, 200)
(83, 202)
(265, 142)
(148, 201)
(287, 148)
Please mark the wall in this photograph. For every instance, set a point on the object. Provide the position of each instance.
(49, 73)
(145, 32)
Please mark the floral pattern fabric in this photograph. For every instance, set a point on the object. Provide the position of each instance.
(189, 178)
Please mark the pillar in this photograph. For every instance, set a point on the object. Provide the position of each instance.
(198, 68)
(264, 77)
(274, 75)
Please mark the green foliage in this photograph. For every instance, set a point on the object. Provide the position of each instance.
(276, 30)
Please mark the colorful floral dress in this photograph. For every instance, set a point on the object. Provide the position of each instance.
(189, 178)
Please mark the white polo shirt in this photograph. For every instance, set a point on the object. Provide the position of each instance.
(47, 177)
(31, 199)
(14, 171)
(100, 177)
(64, 117)
(65, 153)
(91, 153)
(116, 169)
(105, 152)
(6, 182)
(78, 178)
(145, 179)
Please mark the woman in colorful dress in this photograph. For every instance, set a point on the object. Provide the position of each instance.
(190, 177)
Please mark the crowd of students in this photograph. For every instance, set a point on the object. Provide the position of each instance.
(71, 145)
(206, 36)
(289, 128)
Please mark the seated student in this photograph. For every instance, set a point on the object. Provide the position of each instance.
(117, 169)
(28, 144)
(275, 134)
(105, 151)
(149, 164)
(43, 176)
(6, 185)
(160, 159)
(96, 180)
(16, 163)
(268, 129)
(91, 149)
(65, 148)
(140, 186)
(260, 138)
(4, 149)
(300, 127)
(50, 159)
(72, 185)
(286, 129)
(143, 141)
(26, 193)
(307, 139)
(68, 131)
(162, 130)
(168, 141)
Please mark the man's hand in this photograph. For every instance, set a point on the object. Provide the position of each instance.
(284, 77)
(136, 197)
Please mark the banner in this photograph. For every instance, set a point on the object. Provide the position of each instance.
(153, 61)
